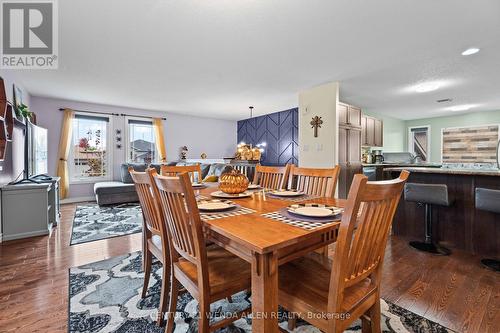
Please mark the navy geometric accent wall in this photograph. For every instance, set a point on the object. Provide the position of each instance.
(280, 131)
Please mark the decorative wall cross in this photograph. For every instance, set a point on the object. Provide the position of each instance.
(316, 123)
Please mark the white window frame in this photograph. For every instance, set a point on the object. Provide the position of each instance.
(410, 141)
(127, 137)
(109, 150)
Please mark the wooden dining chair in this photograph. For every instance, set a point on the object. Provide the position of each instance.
(274, 178)
(332, 297)
(208, 273)
(318, 182)
(174, 170)
(155, 234)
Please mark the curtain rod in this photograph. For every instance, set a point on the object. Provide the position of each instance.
(113, 114)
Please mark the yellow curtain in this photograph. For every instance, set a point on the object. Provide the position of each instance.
(159, 138)
(64, 145)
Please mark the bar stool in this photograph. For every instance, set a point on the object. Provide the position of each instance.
(489, 200)
(428, 195)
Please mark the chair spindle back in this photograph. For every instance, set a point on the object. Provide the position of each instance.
(175, 170)
(274, 178)
(318, 182)
(145, 188)
(181, 213)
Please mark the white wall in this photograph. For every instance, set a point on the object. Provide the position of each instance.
(320, 152)
(217, 138)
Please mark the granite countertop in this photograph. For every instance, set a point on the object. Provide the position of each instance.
(429, 165)
(449, 171)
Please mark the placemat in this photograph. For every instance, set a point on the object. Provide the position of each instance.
(294, 199)
(303, 222)
(238, 210)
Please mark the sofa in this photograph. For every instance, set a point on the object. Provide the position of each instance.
(123, 190)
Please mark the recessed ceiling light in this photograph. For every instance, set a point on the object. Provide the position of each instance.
(427, 86)
(470, 51)
(463, 107)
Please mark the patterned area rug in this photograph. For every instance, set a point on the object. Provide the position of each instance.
(105, 297)
(92, 222)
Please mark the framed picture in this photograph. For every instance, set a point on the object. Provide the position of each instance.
(18, 100)
(18, 96)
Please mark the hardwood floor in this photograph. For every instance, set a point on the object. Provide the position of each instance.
(454, 291)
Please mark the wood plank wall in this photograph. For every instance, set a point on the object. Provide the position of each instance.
(476, 144)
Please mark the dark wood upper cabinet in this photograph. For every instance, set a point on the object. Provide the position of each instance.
(372, 132)
(354, 116)
(343, 111)
(379, 134)
(349, 115)
(363, 130)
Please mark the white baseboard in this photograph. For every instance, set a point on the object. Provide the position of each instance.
(25, 235)
(77, 199)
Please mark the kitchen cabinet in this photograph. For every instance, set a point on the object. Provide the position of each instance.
(349, 157)
(379, 135)
(343, 110)
(363, 130)
(372, 132)
(351, 138)
(349, 115)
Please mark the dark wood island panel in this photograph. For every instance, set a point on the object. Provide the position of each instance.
(460, 226)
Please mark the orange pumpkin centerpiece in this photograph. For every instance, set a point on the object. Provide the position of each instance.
(233, 182)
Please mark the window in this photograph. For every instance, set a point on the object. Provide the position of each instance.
(419, 142)
(90, 151)
(141, 147)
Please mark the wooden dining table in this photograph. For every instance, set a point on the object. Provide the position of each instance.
(267, 243)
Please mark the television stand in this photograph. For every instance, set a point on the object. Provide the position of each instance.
(29, 209)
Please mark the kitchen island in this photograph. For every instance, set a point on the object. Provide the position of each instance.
(459, 226)
(376, 170)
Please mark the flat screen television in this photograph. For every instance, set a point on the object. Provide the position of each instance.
(37, 150)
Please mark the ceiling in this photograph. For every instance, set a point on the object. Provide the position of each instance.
(214, 58)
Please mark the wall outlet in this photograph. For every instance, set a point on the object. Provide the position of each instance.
(306, 148)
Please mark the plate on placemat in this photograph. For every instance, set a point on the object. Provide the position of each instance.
(220, 194)
(287, 193)
(215, 205)
(314, 210)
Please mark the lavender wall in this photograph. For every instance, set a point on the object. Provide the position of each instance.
(217, 138)
(13, 163)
